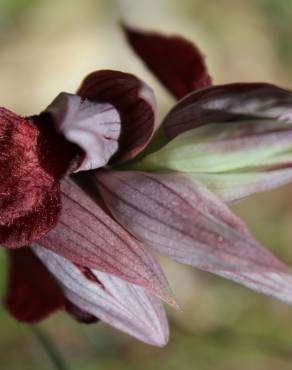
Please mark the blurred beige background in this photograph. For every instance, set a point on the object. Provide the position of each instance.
(48, 46)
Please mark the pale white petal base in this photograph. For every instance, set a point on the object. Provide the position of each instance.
(94, 127)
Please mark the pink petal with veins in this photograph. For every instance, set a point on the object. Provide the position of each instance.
(122, 305)
(89, 237)
(186, 222)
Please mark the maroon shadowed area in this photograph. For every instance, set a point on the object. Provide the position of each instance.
(32, 292)
(177, 63)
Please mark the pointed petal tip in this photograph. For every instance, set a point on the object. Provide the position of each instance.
(166, 294)
(175, 61)
(126, 307)
(159, 339)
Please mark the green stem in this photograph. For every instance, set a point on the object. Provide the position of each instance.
(50, 348)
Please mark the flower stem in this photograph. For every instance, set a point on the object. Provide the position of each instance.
(50, 348)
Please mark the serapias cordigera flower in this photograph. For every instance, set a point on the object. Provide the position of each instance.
(82, 202)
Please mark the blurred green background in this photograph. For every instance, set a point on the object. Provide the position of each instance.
(47, 46)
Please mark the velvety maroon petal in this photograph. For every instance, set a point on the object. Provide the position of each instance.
(177, 63)
(120, 304)
(89, 237)
(134, 101)
(229, 103)
(32, 160)
(32, 292)
(189, 224)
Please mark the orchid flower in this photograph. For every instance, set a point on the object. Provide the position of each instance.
(85, 196)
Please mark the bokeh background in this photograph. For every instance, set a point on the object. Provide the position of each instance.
(48, 46)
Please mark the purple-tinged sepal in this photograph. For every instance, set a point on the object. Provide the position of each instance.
(186, 222)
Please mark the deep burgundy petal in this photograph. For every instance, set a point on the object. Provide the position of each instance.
(177, 63)
(135, 103)
(32, 292)
(89, 237)
(189, 224)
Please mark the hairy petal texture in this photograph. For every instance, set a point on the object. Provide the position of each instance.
(177, 63)
(94, 127)
(89, 237)
(229, 103)
(189, 224)
(32, 161)
(32, 292)
(135, 102)
(122, 305)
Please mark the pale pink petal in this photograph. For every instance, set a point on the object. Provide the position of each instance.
(189, 224)
(94, 127)
(124, 306)
(89, 237)
(135, 102)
